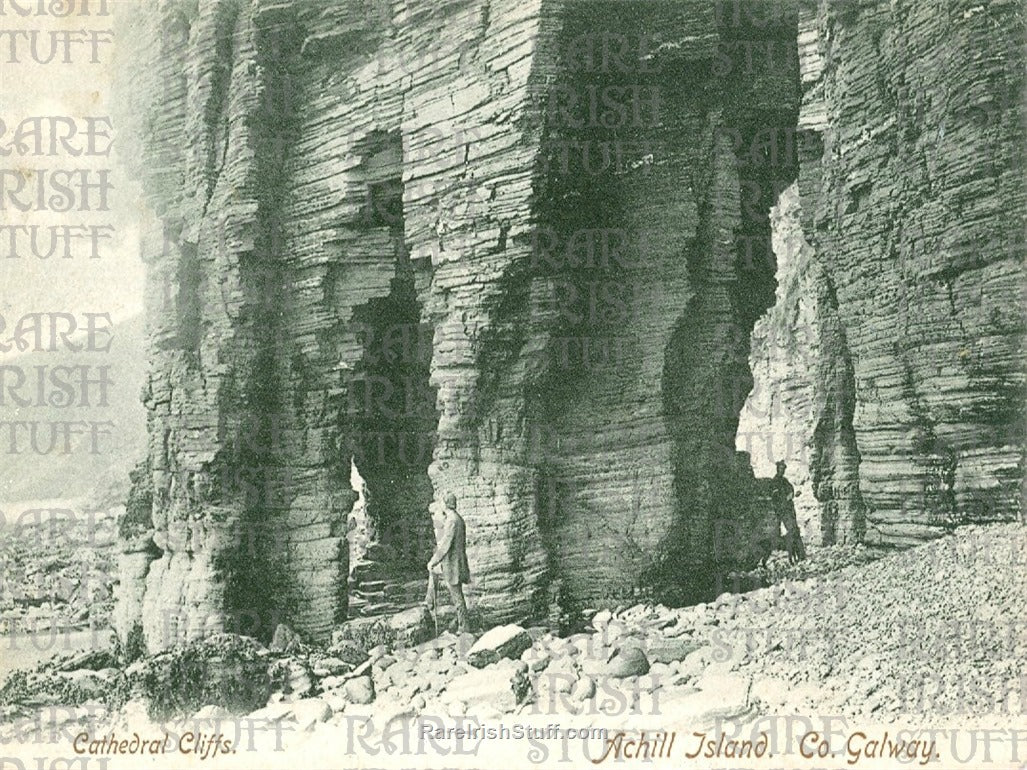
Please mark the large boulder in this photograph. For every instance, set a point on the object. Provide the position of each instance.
(329, 666)
(348, 651)
(359, 690)
(364, 633)
(627, 661)
(404, 629)
(501, 686)
(670, 649)
(412, 627)
(500, 642)
(395, 673)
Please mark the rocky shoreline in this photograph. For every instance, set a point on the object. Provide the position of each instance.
(934, 631)
(58, 568)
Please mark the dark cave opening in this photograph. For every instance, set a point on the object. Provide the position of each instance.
(394, 420)
(391, 409)
(611, 254)
(752, 93)
(707, 375)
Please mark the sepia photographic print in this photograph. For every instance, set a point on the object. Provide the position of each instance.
(513, 384)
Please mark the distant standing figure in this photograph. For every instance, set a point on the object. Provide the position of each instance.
(451, 556)
(782, 494)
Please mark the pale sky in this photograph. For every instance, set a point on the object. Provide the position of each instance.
(113, 283)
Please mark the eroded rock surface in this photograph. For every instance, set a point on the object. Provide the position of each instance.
(912, 201)
(408, 243)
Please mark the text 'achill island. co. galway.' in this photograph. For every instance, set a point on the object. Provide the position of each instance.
(699, 745)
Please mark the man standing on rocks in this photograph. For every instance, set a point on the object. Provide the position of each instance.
(782, 494)
(451, 555)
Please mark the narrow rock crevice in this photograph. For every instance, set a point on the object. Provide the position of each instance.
(218, 81)
(391, 416)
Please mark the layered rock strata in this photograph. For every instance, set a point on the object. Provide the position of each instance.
(911, 185)
(512, 251)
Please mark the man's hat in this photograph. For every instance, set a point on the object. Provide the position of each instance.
(450, 500)
(781, 464)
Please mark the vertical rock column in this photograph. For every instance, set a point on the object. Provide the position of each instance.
(209, 126)
(913, 202)
(642, 295)
(470, 212)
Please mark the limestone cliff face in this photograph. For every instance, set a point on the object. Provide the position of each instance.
(912, 200)
(505, 250)
(332, 182)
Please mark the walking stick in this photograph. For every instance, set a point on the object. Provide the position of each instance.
(435, 602)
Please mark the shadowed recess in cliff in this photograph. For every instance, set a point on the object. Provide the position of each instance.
(390, 404)
(751, 158)
(643, 305)
(215, 114)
